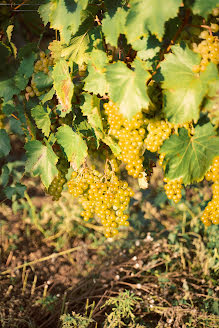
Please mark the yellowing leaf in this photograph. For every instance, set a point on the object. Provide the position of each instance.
(63, 84)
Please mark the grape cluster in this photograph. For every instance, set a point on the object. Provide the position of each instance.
(161, 159)
(211, 212)
(56, 187)
(173, 189)
(208, 49)
(41, 65)
(32, 91)
(158, 132)
(130, 135)
(102, 195)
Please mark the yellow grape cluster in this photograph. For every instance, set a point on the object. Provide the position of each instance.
(161, 159)
(157, 133)
(41, 65)
(130, 135)
(32, 91)
(211, 212)
(208, 49)
(173, 189)
(103, 196)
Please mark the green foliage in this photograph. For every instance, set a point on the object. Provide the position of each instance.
(132, 96)
(114, 26)
(63, 86)
(76, 51)
(149, 15)
(42, 119)
(73, 144)
(131, 54)
(204, 8)
(96, 82)
(189, 157)
(183, 96)
(75, 320)
(41, 160)
(42, 81)
(63, 15)
(91, 109)
(5, 145)
(123, 307)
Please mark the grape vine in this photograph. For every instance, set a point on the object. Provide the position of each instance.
(117, 86)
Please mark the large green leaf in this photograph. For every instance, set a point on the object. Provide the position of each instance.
(8, 89)
(96, 80)
(63, 85)
(189, 157)
(42, 80)
(5, 145)
(91, 109)
(127, 87)
(73, 144)
(76, 51)
(204, 7)
(114, 26)
(25, 71)
(149, 15)
(63, 15)
(184, 89)
(42, 119)
(41, 160)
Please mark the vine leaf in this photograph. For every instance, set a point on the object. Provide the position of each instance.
(114, 26)
(63, 85)
(76, 51)
(127, 87)
(63, 15)
(5, 145)
(42, 80)
(149, 15)
(109, 141)
(183, 95)
(8, 89)
(41, 160)
(47, 96)
(25, 71)
(204, 8)
(55, 48)
(73, 144)
(147, 47)
(91, 109)
(96, 82)
(42, 119)
(190, 157)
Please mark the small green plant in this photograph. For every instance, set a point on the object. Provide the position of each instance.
(75, 320)
(48, 302)
(123, 307)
